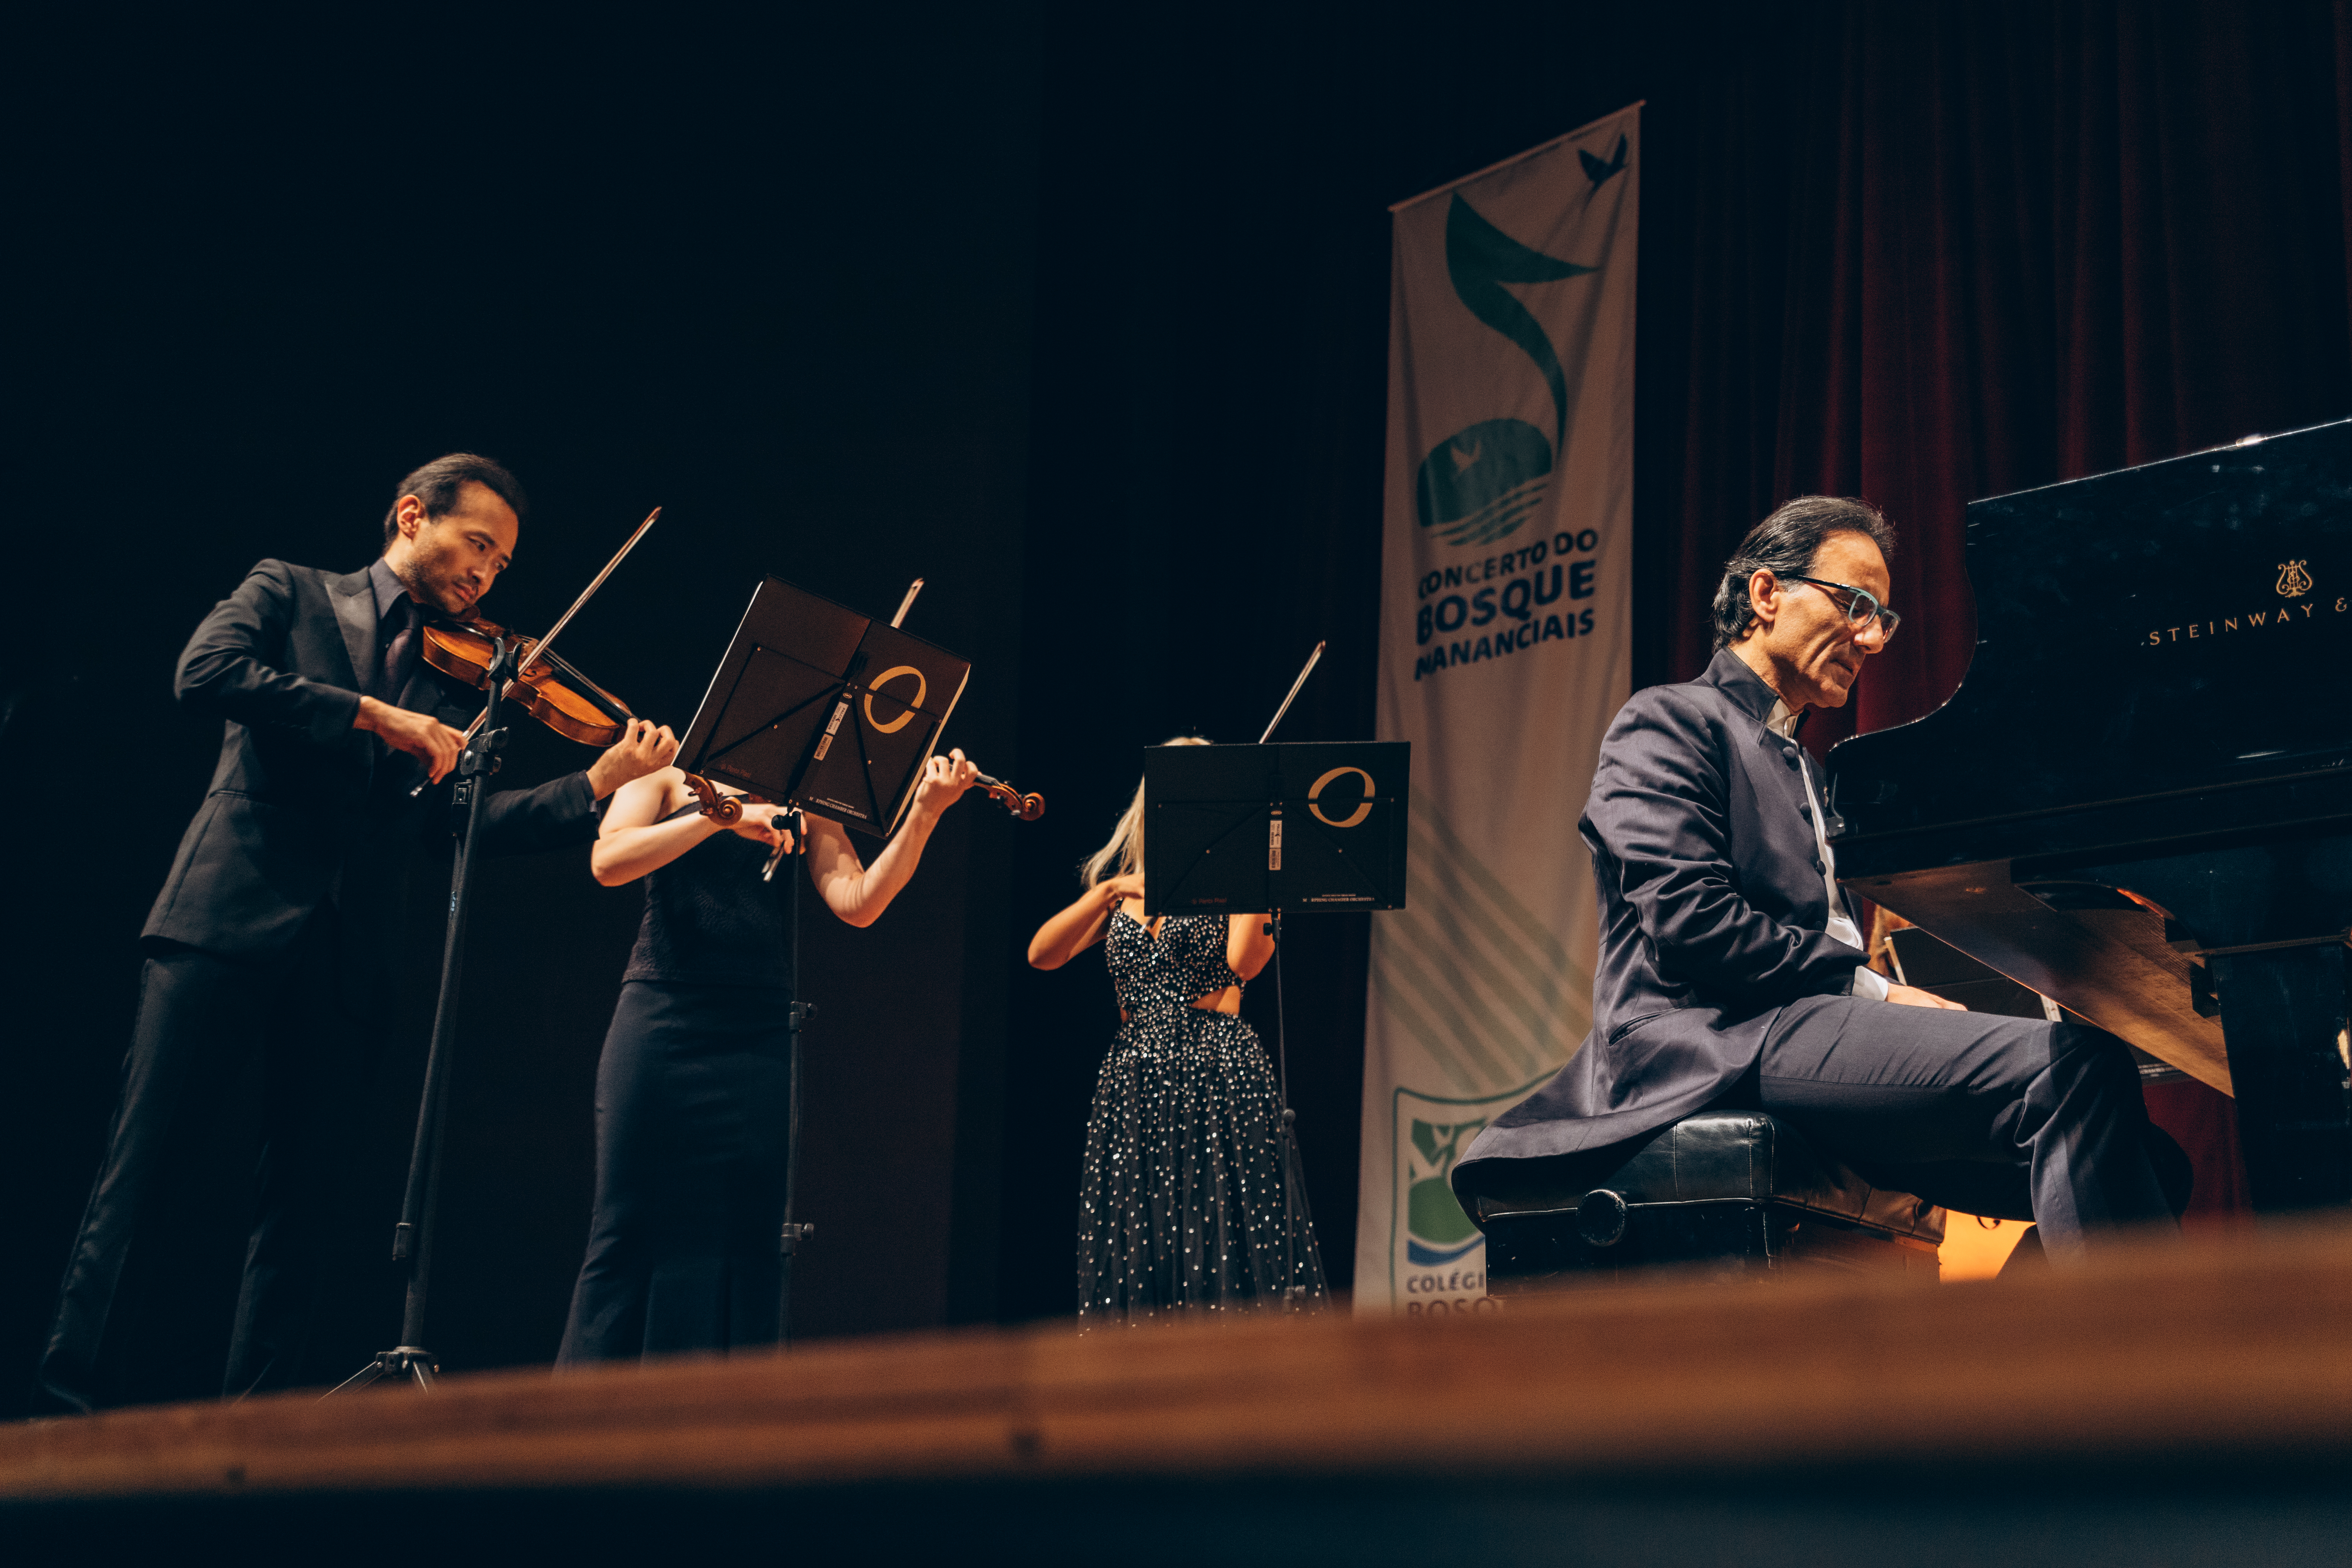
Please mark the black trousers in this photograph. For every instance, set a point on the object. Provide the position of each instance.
(201, 1018)
(2013, 1118)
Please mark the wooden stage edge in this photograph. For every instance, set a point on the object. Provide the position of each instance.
(2201, 1352)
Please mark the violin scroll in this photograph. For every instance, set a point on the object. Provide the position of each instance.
(1028, 808)
(726, 810)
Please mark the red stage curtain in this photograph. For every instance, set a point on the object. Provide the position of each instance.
(2204, 1124)
(1950, 251)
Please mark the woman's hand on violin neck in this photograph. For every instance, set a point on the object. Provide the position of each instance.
(944, 781)
(644, 748)
(763, 824)
(421, 735)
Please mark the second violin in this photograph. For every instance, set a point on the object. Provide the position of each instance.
(1028, 808)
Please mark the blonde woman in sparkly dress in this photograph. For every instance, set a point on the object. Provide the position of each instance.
(1181, 1203)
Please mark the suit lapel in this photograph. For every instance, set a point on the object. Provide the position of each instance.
(1753, 701)
(1772, 753)
(355, 611)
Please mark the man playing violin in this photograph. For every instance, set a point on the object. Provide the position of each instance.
(275, 929)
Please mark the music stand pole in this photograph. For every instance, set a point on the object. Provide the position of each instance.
(412, 1238)
(1214, 811)
(789, 1241)
(781, 697)
(1291, 1290)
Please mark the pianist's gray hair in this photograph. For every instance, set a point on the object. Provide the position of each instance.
(1785, 545)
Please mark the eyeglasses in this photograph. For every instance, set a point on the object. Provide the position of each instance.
(1862, 608)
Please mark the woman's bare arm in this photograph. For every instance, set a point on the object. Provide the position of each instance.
(1080, 926)
(858, 893)
(1247, 945)
(633, 839)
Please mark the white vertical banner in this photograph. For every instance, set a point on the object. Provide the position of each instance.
(1505, 579)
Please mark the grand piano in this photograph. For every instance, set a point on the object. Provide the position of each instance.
(2138, 803)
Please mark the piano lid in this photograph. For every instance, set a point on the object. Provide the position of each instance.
(2181, 628)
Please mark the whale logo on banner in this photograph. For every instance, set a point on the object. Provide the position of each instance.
(1506, 578)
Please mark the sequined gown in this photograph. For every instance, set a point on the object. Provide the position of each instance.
(1180, 1204)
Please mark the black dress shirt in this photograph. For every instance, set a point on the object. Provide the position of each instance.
(397, 616)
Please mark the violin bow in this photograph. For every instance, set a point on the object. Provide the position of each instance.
(908, 603)
(1027, 807)
(768, 872)
(539, 652)
(1294, 694)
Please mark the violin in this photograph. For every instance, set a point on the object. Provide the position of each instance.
(1027, 807)
(726, 810)
(548, 688)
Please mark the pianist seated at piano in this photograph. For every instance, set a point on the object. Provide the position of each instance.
(1731, 974)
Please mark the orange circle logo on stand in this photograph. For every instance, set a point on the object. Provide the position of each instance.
(921, 687)
(1363, 807)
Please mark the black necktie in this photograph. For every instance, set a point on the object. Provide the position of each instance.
(397, 662)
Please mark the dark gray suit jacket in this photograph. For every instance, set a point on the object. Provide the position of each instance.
(1712, 912)
(302, 806)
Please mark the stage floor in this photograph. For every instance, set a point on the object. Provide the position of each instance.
(2193, 1382)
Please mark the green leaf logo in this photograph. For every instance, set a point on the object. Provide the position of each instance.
(1433, 1214)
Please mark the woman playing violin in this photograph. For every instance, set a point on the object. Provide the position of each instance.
(1180, 1197)
(692, 1091)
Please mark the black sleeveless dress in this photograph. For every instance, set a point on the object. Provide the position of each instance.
(1181, 1201)
(692, 1100)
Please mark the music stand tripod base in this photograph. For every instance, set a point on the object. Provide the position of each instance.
(401, 1361)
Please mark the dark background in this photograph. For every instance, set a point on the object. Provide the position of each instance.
(1081, 316)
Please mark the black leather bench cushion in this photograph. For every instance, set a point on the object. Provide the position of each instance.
(1712, 1156)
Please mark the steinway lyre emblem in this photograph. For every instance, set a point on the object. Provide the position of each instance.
(2294, 581)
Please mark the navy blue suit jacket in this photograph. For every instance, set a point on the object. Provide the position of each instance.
(302, 806)
(1713, 916)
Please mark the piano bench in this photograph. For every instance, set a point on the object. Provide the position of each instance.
(1736, 1194)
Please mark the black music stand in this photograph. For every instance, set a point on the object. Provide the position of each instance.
(817, 706)
(412, 1238)
(1309, 827)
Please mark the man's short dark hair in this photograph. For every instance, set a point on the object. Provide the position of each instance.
(1785, 545)
(438, 483)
